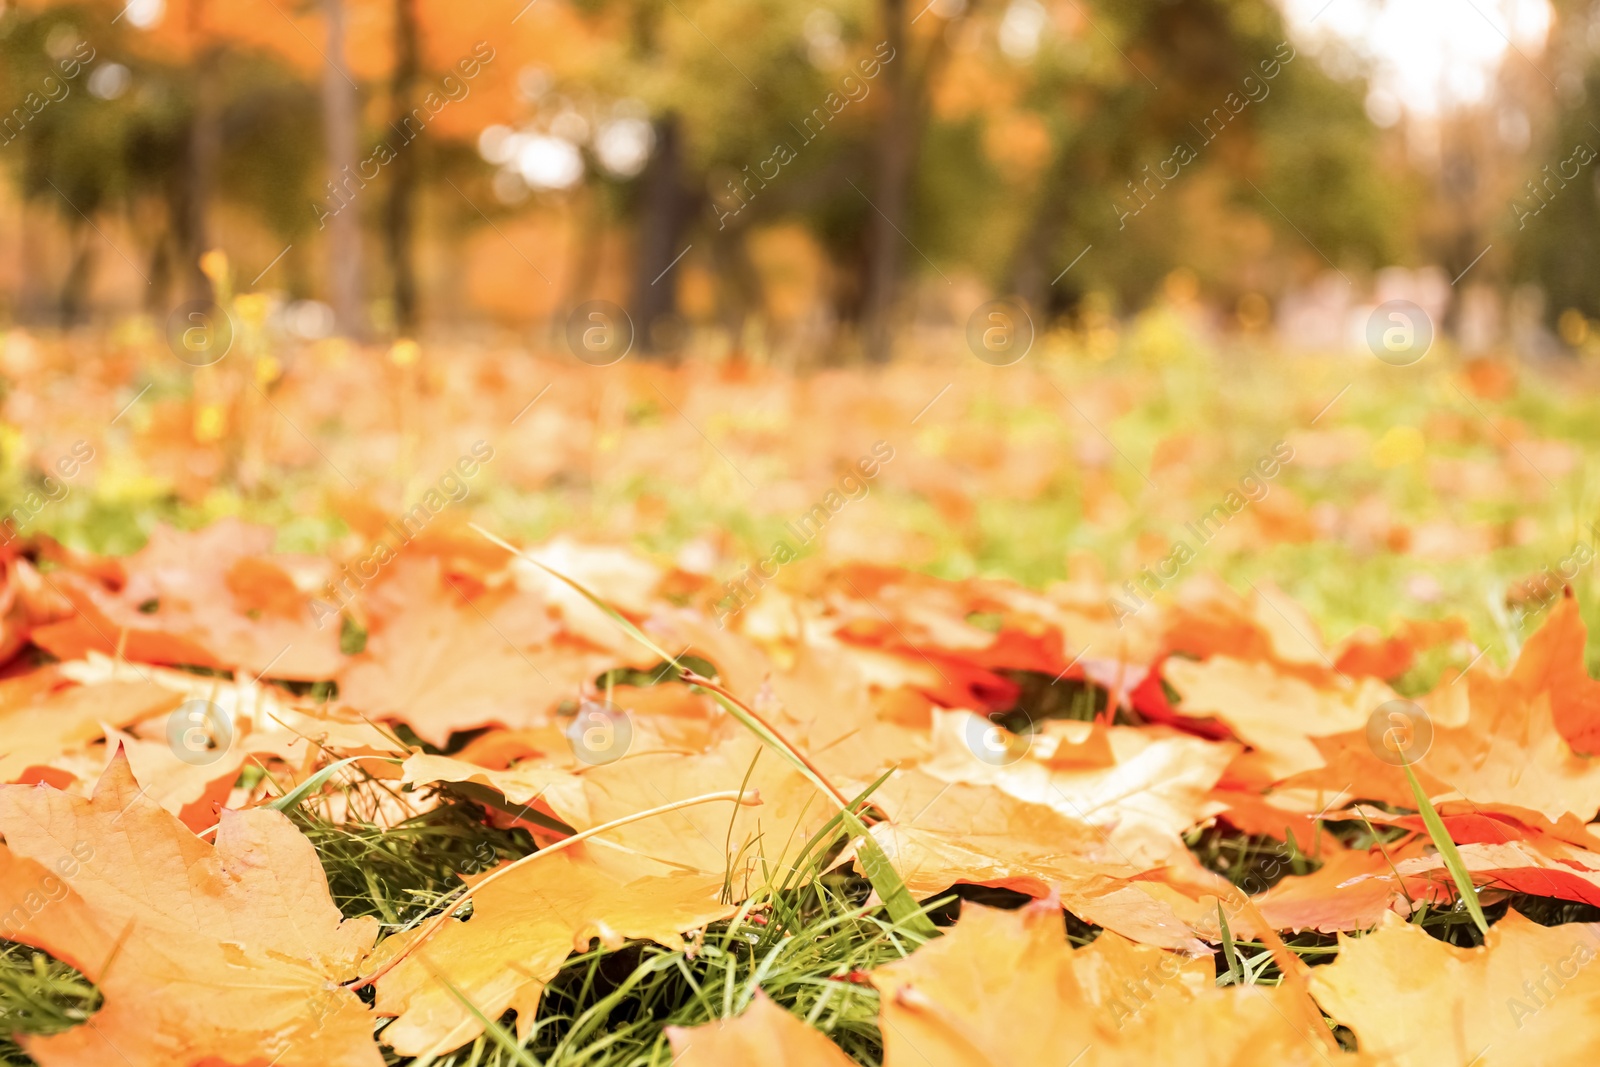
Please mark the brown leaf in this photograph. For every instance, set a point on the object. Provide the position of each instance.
(1275, 712)
(1156, 789)
(1553, 660)
(1495, 742)
(946, 834)
(708, 839)
(43, 715)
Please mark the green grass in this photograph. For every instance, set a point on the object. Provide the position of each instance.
(38, 995)
(401, 874)
(802, 948)
(803, 944)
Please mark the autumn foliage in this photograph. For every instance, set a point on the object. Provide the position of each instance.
(1085, 821)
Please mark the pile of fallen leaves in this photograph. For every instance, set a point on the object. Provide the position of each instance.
(536, 805)
(1369, 492)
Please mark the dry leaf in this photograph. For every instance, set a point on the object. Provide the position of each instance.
(522, 927)
(1495, 742)
(441, 659)
(1005, 988)
(1553, 661)
(708, 838)
(43, 715)
(211, 598)
(943, 834)
(1530, 994)
(205, 954)
(764, 1035)
(1157, 788)
(1275, 713)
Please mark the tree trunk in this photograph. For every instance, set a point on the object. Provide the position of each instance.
(400, 211)
(189, 206)
(205, 143)
(583, 259)
(896, 144)
(75, 287)
(339, 118)
(1032, 268)
(738, 290)
(663, 217)
(159, 267)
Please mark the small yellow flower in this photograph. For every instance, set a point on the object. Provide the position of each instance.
(210, 422)
(404, 352)
(214, 265)
(1401, 445)
(1574, 328)
(253, 308)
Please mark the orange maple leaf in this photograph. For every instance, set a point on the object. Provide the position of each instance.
(205, 954)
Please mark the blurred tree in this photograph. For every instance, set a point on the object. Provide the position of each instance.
(1111, 175)
(204, 143)
(666, 206)
(400, 209)
(1550, 211)
(157, 124)
(899, 125)
(738, 143)
(999, 140)
(340, 115)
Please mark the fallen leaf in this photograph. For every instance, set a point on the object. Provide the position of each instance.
(750, 843)
(1553, 661)
(944, 834)
(205, 955)
(1157, 788)
(1004, 987)
(763, 1035)
(1543, 868)
(1528, 995)
(1209, 619)
(1495, 742)
(1352, 890)
(43, 715)
(210, 598)
(1275, 713)
(441, 660)
(522, 927)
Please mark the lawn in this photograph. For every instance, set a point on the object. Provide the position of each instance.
(1148, 687)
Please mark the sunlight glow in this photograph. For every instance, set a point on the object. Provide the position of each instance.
(1427, 57)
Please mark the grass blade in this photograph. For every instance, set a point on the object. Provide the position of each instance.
(734, 707)
(311, 785)
(1229, 953)
(497, 1033)
(874, 862)
(902, 906)
(1448, 851)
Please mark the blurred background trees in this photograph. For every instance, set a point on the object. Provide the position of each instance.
(819, 179)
